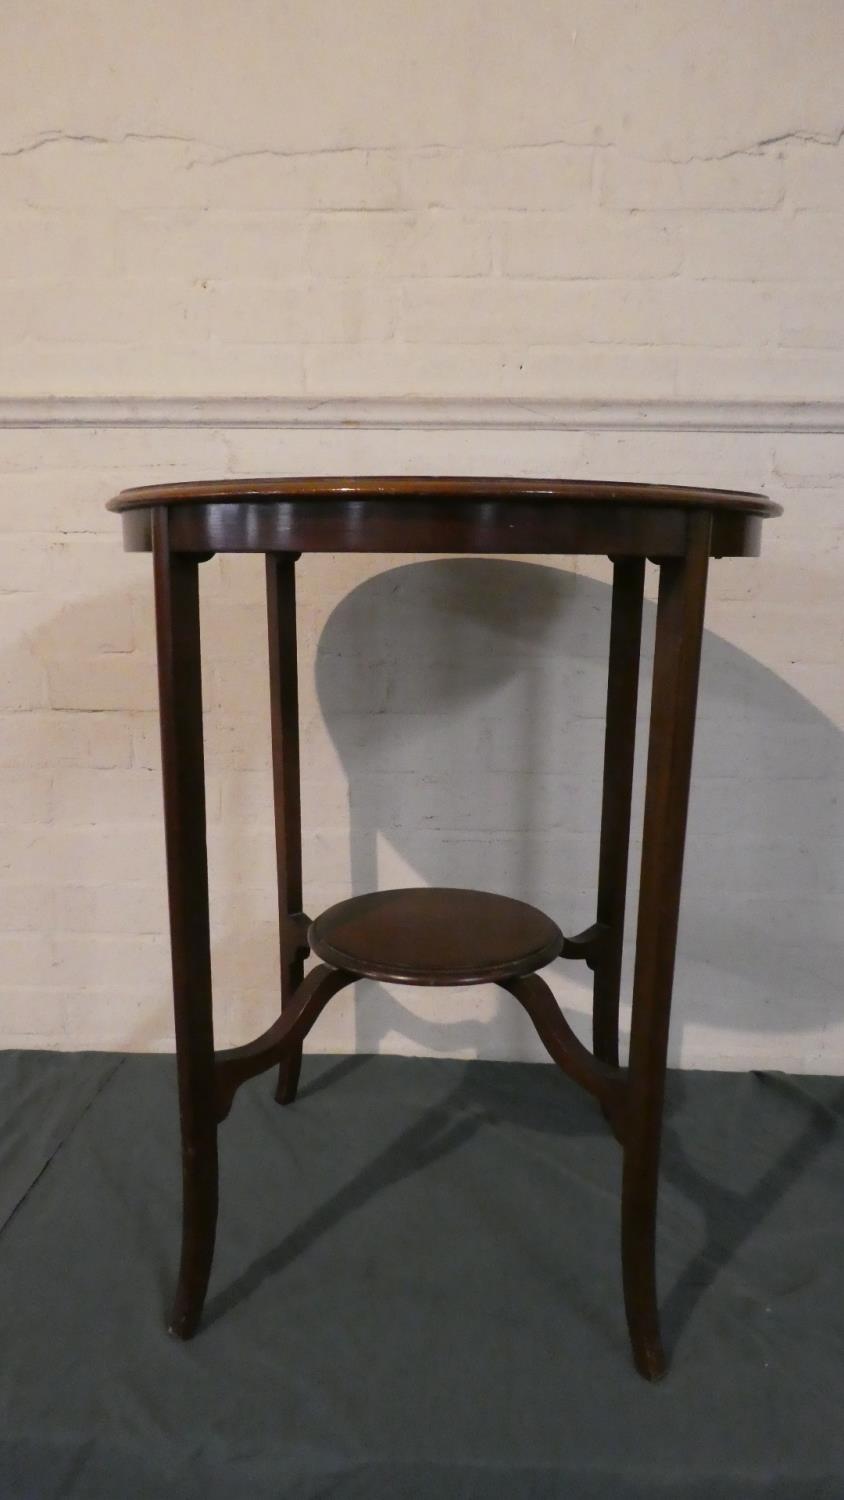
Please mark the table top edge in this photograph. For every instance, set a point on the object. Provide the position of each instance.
(443, 488)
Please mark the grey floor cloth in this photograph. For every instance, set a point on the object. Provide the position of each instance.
(416, 1290)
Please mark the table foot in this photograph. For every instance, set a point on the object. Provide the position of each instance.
(288, 1077)
(638, 1257)
(199, 1227)
(649, 1359)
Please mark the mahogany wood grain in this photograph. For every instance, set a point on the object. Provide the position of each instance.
(424, 514)
(441, 937)
(438, 935)
(444, 488)
(679, 632)
(619, 754)
(284, 724)
(283, 1039)
(607, 1083)
(180, 698)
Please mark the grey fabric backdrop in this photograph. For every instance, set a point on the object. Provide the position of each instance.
(416, 1290)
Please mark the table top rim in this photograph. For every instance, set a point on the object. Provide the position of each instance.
(442, 487)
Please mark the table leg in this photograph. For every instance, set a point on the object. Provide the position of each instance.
(284, 716)
(180, 694)
(619, 750)
(679, 628)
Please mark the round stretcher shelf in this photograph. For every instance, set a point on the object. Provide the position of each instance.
(437, 935)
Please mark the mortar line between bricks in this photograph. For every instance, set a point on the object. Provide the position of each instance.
(422, 414)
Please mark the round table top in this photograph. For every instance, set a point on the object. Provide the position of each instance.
(578, 491)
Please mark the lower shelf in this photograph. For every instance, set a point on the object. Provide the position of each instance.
(438, 935)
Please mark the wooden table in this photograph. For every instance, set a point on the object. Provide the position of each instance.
(440, 936)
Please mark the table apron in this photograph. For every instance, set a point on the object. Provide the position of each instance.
(418, 526)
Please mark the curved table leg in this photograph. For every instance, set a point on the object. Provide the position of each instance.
(619, 751)
(284, 724)
(282, 1040)
(682, 591)
(602, 1079)
(199, 1229)
(289, 1069)
(180, 694)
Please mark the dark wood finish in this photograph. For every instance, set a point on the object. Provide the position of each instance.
(435, 935)
(607, 1083)
(619, 751)
(513, 526)
(587, 945)
(679, 632)
(284, 722)
(440, 936)
(421, 514)
(180, 698)
(443, 488)
(283, 1039)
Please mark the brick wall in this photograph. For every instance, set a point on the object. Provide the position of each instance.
(609, 203)
(551, 271)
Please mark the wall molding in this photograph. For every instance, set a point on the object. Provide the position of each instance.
(459, 413)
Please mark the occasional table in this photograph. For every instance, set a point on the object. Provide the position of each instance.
(440, 936)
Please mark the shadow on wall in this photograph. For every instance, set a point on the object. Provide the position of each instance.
(477, 761)
(465, 700)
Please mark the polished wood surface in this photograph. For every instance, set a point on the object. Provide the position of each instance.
(441, 936)
(284, 729)
(444, 488)
(677, 648)
(180, 698)
(619, 755)
(420, 524)
(281, 1043)
(448, 514)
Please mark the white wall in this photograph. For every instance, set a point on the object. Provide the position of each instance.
(636, 206)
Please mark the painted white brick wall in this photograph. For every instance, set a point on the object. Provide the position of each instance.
(596, 201)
